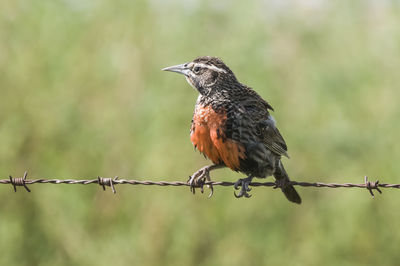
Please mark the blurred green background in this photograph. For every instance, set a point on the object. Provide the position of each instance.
(82, 94)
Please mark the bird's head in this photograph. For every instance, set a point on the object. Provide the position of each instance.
(205, 73)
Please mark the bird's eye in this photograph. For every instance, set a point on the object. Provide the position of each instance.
(196, 69)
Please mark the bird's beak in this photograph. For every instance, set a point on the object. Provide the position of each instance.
(181, 69)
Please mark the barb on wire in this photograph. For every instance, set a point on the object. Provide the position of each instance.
(372, 185)
(19, 181)
(102, 181)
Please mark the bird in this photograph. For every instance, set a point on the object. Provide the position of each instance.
(232, 126)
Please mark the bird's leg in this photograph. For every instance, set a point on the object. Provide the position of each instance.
(198, 179)
(244, 184)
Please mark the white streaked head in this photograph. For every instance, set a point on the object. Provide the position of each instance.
(203, 72)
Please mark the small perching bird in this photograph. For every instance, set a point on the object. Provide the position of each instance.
(232, 126)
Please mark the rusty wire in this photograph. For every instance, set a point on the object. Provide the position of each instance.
(103, 181)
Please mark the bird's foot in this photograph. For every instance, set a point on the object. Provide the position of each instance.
(244, 184)
(199, 178)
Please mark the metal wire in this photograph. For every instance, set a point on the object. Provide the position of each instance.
(102, 181)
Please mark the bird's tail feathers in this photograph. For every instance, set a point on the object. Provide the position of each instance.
(282, 177)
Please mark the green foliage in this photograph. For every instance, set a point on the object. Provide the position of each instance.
(82, 95)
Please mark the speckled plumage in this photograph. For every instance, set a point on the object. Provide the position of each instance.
(232, 125)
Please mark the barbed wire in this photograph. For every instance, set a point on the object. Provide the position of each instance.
(106, 181)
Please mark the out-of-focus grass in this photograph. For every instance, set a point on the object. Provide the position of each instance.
(82, 95)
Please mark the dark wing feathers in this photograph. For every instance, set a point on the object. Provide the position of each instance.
(253, 116)
(274, 141)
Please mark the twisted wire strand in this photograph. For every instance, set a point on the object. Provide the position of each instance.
(181, 183)
(103, 181)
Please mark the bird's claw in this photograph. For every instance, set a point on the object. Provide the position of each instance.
(198, 179)
(244, 187)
